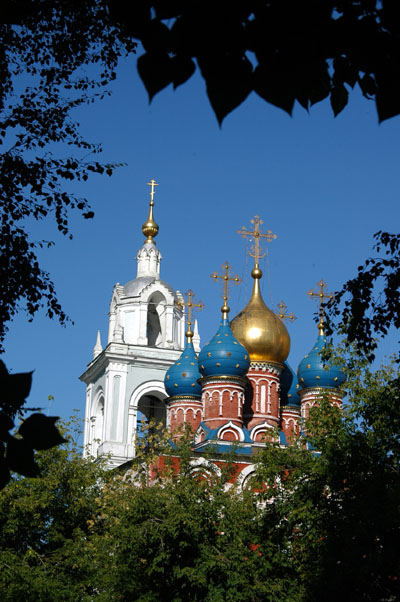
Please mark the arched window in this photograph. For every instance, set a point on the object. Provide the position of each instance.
(156, 320)
(150, 410)
(97, 420)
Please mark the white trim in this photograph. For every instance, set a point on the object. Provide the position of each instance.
(229, 426)
(259, 427)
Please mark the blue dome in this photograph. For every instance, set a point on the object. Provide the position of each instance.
(289, 387)
(224, 355)
(181, 378)
(313, 372)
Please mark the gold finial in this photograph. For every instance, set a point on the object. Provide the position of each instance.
(150, 228)
(226, 278)
(256, 235)
(320, 296)
(191, 306)
(281, 314)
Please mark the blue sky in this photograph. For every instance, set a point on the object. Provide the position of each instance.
(323, 185)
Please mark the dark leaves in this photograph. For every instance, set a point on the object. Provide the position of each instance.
(20, 458)
(292, 45)
(36, 432)
(155, 71)
(368, 305)
(339, 98)
(228, 82)
(40, 432)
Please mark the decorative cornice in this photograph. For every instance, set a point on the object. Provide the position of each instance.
(320, 391)
(273, 367)
(235, 380)
(180, 398)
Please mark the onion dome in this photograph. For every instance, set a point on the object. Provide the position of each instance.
(262, 333)
(289, 387)
(181, 378)
(314, 372)
(224, 355)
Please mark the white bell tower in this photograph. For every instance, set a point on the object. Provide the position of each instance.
(125, 380)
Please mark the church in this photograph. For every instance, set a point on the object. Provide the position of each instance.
(233, 392)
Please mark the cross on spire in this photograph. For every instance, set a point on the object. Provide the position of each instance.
(226, 279)
(281, 314)
(191, 307)
(152, 183)
(320, 296)
(256, 234)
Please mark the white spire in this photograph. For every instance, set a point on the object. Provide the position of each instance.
(97, 348)
(196, 337)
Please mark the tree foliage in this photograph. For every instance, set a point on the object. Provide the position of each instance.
(368, 305)
(284, 51)
(45, 525)
(36, 432)
(309, 525)
(54, 58)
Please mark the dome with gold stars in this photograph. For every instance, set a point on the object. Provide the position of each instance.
(259, 330)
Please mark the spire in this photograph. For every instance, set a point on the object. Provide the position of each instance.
(97, 348)
(191, 306)
(225, 309)
(149, 257)
(196, 337)
(321, 296)
(256, 235)
(150, 228)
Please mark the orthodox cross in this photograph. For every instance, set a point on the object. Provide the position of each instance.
(226, 279)
(282, 308)
(191, 306)
(320, 296)
(256, 235)
(152, 183)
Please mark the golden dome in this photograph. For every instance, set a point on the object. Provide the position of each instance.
(262, 332)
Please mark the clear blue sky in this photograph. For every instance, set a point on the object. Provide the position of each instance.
(323, 185)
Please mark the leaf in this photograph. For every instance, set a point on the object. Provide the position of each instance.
(339, 98)
(40, 431)
(387, 100)
(15, 388)
(274, 86)
(155, 72)
(6, 424)
(20, 458)
(182, 69)
(228, 82)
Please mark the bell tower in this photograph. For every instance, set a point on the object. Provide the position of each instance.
(146, 335)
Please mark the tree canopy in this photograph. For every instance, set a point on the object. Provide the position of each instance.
(282, 50)
(317, 520)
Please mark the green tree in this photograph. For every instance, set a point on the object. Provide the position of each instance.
(337, 509)
(45, 528)
(188, 534)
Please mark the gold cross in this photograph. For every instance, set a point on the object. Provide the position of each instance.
(282, 307)
(191, 306)
(226, 278)
(256, 235)
(320, 296)
(152, 183)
